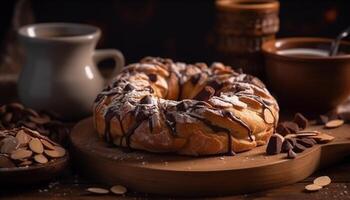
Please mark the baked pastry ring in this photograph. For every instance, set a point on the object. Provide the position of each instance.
(190, 109)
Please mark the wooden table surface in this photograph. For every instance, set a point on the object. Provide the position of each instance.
(72, 187)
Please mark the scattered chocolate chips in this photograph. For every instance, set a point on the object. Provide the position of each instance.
(301, 120)
(291, 154)
(205, 94)
(306, 142)
(292, 141)
(275, 144)
(146, 100)
(282, 129)
(286, 146)
(152, 77)
(323, 119)
(298, 148)
(291, 126)
(128, 87)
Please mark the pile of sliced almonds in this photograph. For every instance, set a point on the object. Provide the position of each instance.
(24, 147)
(318, 184)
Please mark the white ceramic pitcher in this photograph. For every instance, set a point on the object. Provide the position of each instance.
(60, 73)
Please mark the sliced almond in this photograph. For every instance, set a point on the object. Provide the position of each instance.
(47, 144)
(21, 154)
(118, 189)
(334, 123)
(313, 188)
(322, 138)
(56, 153)
(40, 158)
(36, 146)
(23, 137)
(97, 190)
(268, 116)
(322, 181)
(250, 102)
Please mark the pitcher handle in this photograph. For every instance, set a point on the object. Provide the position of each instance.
(116, 55)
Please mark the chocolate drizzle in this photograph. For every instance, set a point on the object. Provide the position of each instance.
(218, 129)
(144, 109)
(110, 113)
(237, 119)
(171, 123)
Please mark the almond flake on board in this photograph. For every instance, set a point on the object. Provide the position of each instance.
(313, 188)
(322, 181)
(118, 189)
(97, 190)
(334, 123)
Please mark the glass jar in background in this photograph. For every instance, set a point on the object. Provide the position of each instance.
(241, 27)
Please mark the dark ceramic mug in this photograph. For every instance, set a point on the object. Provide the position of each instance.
(308, 83)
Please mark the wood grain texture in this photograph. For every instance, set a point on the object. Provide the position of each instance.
(205, 176)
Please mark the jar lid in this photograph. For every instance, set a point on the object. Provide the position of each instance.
(248, 5)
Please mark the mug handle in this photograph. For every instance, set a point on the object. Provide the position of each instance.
(116, 55)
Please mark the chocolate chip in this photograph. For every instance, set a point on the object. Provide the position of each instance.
(182, 106)
(291, 154)
(128, 87)
(298, 148)
(216, 85)
(275, 144)
(282, 129)
(301, 121)
(195, 78)
(292, 141)
(322, 120)
(291, 126)
(205, 94)
(306, 142)
(146, 100)
(286, 146)
(152, 77)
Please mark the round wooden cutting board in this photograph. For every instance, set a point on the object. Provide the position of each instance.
(199, 176)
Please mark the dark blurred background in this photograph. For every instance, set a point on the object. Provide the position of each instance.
(182, 30)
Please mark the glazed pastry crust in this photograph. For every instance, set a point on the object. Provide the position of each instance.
(157, 105)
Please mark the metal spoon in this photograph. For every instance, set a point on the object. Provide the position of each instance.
(335, 44)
